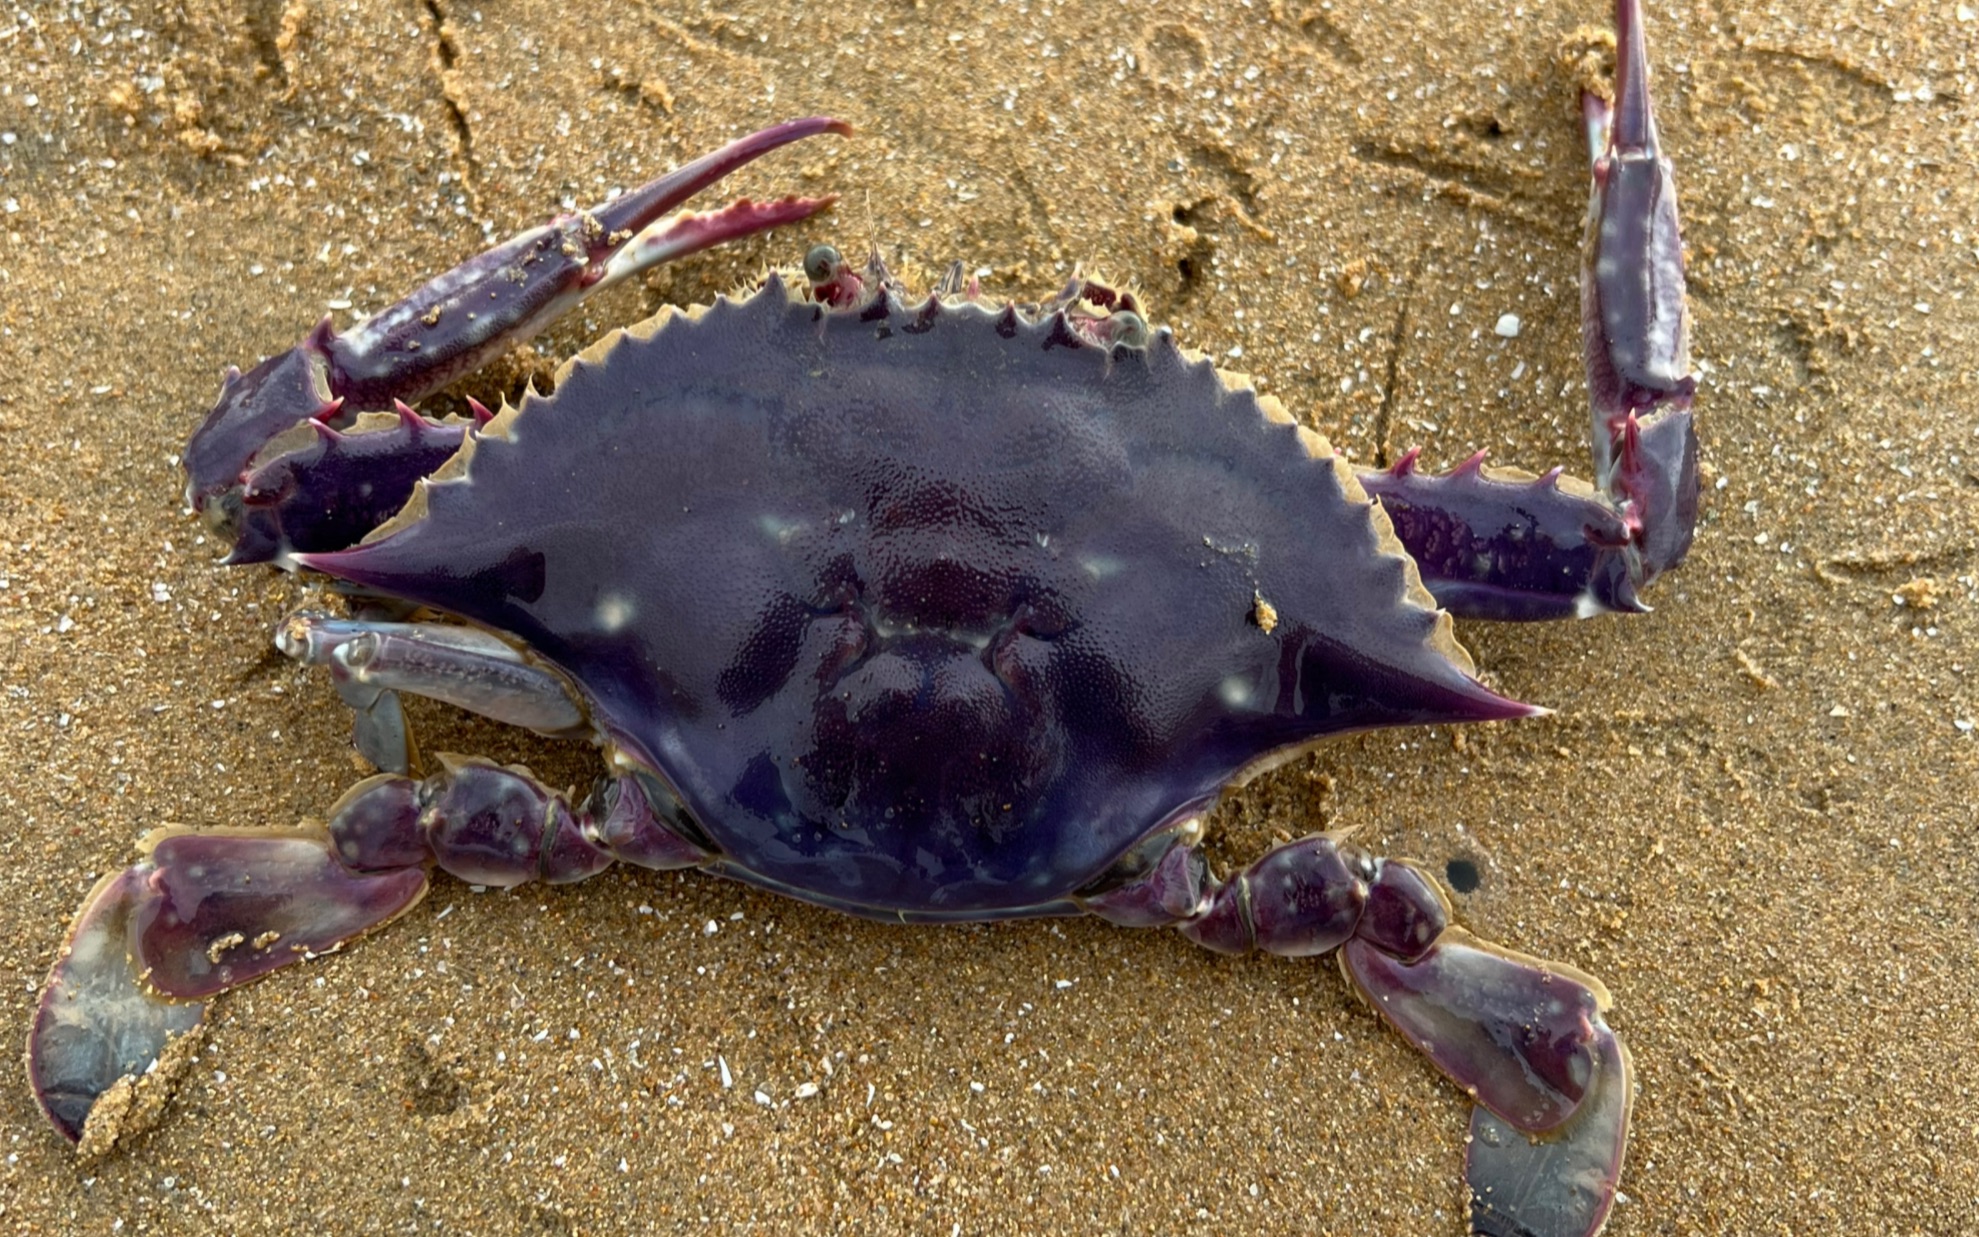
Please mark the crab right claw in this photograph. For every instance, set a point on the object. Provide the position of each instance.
(457, 322)
(1635, 325)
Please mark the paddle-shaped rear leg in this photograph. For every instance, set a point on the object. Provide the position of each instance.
(95, 1026)
(205, 911)
(1524, 1038)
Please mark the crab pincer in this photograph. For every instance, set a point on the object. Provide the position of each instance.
(1635, 324)
(1510, 546)
(447, 328)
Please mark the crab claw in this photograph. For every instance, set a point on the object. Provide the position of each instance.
(200, 913)
(1509, 547)
(1527, 1041)
(1635, 325)
(1506, 546)
(458, 321)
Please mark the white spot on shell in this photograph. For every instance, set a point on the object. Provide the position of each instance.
(1662, 349)
(1100, 566)
(777, 528)
(1236, 692)
(615, 610)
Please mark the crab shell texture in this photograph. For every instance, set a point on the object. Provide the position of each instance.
(927, 611)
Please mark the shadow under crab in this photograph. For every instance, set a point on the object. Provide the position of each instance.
(927, 609)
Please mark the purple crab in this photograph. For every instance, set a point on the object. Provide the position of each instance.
(928, 608)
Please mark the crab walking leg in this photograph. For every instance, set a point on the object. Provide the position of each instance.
(372, 662)
(458, 321)
(205, 911)
(1524, 1038)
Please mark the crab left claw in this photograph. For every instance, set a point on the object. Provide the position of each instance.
(1515, 547)
(457, 322)
(1635, 325)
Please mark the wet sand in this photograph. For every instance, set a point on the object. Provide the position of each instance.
(1751, 813)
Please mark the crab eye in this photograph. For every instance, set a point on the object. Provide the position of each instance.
(823, 262)
(1129, 328)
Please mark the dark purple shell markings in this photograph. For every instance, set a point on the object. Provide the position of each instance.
(927, 611)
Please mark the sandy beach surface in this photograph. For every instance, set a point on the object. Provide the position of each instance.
(1751, 813)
